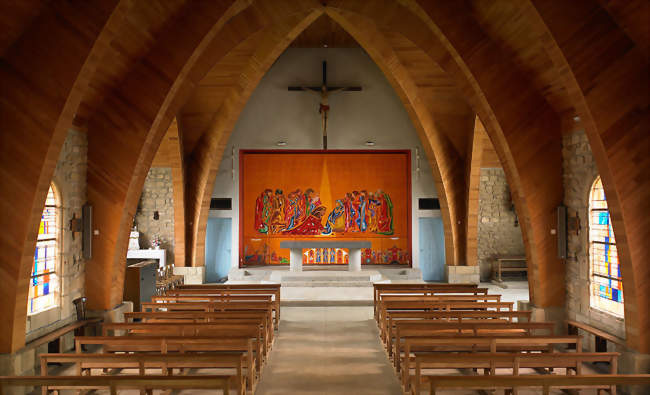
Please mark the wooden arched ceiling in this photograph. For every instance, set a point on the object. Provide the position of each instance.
(324, 32)
(127, 68)
(135, 37)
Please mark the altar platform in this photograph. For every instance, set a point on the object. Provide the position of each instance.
(326, 284)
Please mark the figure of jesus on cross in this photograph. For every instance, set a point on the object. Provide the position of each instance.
(324, 91)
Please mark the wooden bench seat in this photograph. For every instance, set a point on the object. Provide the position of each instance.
(454, 316)
(177, 344)
(225, 329)
(543, 382)
(213, 307)
(600, 337)
(55, 335)
(84, 363)
(113, 383)
(424, 305)
(508, 264)
(512, 361)
(449, 345)
(273, 292)
(423, 329)
(265, 318)
(423, 289)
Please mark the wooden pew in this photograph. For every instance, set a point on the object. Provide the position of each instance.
(423, 305)
(113, 383)
(449, 345)
(211, 307)
(273, 288)
(600, 337)
(572, 362)
(453, 316)
(545, 382)
(178, 344)
(225, 298)
(266, 318)
(84, 363)
(423, 289)
(424, 329)
(232, 290)
(223, 329)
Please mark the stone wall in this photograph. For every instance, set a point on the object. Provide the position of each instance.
(70, 181)
(580, 171)
(497, 233)
(157, 195)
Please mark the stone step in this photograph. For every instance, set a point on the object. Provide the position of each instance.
(327, 284)
(333, 278)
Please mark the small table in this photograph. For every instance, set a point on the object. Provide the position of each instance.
(148, 254)
(296, 247)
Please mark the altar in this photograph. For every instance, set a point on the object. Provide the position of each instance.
(296, 247)
(149, 254)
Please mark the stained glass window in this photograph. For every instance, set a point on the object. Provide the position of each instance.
(43, 284)
(606, 282)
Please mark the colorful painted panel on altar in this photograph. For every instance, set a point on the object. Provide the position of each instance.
(347, 195)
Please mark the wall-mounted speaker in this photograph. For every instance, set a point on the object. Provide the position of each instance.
(87, 232)
(561, 232)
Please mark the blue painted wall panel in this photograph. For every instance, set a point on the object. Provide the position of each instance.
(218, 246)
(432, 249)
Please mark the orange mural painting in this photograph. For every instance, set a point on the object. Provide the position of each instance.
(303, 195)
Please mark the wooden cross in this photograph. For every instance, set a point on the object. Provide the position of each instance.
(324, 91)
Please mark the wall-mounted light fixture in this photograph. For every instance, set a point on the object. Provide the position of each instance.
(156, 215)
(281, 143)
(370, 143)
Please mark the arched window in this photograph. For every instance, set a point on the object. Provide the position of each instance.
(605, 273)
(43, 283)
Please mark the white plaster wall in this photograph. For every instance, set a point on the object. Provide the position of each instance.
(274, 114)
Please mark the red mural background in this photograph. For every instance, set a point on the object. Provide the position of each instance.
(314, 195)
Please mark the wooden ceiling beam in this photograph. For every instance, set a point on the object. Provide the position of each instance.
(125, 133)
(474, 162)
(524, 129)
(607, 76)
(205, 160)
(448, 167)
(36, 109)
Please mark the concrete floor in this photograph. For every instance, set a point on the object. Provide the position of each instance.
(328, 350)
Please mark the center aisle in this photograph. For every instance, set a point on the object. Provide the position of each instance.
(328, 350)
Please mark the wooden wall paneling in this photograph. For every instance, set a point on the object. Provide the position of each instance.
(36, 110)
(607, 76)
(202, 169)
(475, 160)
(126, 132)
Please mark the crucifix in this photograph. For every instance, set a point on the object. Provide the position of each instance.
(324, 91)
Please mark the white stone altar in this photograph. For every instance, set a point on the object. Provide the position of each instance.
(148, 254)
(296, 247)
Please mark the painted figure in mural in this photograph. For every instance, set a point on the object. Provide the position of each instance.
(347, 204)
(312, 225)
(263, 207)
(293, 209)
(278, 223)
(372, 213)
(385, 219)
(355, 209)
(336, 219)
(361, 217)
